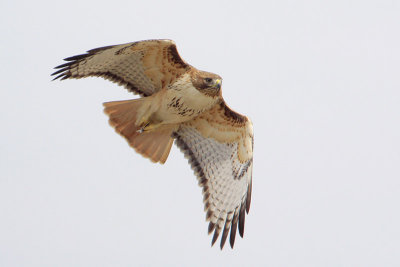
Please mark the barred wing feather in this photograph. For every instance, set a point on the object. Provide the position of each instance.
(219, 146)
(143, 67)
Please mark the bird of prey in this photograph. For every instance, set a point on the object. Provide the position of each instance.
(178, 102)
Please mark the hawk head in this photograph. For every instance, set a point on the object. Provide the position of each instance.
(207, 83)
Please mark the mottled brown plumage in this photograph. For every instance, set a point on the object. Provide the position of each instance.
(183, 104)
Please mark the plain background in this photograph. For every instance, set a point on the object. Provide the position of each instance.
(319, 79)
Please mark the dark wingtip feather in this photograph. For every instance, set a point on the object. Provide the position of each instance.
(215, 237)
(61, 75)
(233, 234)
(248, 196)
(75, 58)
(224, 234)
(234, 229)
(242, 215)
(59, 71)
(64, 65)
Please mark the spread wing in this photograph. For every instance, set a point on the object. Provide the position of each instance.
(143, 67)
(219, 146)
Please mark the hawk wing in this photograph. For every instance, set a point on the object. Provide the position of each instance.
(143, 67)
(219, 147)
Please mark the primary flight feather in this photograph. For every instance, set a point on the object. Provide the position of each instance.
(178, 102)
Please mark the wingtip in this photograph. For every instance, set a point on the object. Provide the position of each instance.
(232, 244)
(233, 229)
(58, 71)
(248, 197)
(224, 235)
(59, 76)
(215, 237)
(75, 58)
(242, 217)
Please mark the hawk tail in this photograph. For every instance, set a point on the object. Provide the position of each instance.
(155, 144)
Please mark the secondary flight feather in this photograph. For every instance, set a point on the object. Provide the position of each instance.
(178, 102)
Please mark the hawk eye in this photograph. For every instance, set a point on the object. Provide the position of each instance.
(208, 80)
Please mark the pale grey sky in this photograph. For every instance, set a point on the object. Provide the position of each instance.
(319, 79)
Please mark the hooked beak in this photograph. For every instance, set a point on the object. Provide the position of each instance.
(218, 83)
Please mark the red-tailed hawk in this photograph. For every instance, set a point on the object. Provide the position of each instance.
(182, 103)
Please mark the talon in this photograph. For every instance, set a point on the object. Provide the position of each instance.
(143, 128)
